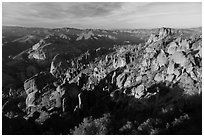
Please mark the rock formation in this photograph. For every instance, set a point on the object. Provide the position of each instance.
(150, 84)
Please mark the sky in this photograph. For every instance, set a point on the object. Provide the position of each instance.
(102, 15)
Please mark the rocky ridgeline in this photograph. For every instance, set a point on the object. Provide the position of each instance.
(164, 70)
(51, 45)
(156, 77)
(65, 68)
(164, 58)
(144, 72)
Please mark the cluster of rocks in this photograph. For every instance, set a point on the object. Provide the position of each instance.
(177, 61)
(165, 58)
(150, 76)
(46, 95)
(63, 67)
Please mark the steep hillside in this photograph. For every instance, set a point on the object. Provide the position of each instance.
(17, 39)
(38, 46)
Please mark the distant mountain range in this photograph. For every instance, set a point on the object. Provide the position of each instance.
(18, 39)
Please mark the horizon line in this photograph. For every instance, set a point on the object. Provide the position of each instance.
(99, 28)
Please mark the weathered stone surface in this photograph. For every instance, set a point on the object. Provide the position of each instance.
(170, 77)
(162, 59)
(172, 48)
(59, 66)
(38, 82)
(138, 91)
(159, 77)
(119, 62)
(179, 58)
(31, 98)
(170, 69)
(185, 45)
(165, 32)
(69, 90)
(128, 81)
(154, 65)
(120, 80)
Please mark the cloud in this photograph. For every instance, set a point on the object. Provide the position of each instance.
(102, 14)
(92, 9)
(61, 9)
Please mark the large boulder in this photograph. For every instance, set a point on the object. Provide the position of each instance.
(120, 80)
(179, 58)
(184, 45)
(162, 59)
(172, 48)
(44, 103)
(59, 66)
(128, 81)
(69, 90)
(38, 82)
(70, 94)
(138, 91)
(159, 77)
(119, 62)
(31, 99)
(170, 69)
(163, 32)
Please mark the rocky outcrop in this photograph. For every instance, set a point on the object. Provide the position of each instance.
(45, 95)
(38, 82)
(59, 66)
(160, 78)
(65, 67)
(165, 58)
(50, 46)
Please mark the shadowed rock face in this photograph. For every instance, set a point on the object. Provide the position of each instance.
(154, 87)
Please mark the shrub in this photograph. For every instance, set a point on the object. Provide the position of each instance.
(149, 127)
(128, 129)
(91, 126)
(180, 120)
